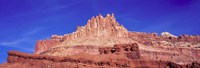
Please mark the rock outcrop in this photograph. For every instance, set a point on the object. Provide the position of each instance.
(167, 34)
(104, 43)
(121, 55)
(43, 45)
(99, 27)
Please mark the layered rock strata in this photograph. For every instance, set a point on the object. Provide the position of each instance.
(103, 32)
(119, 56)
(104, 43)
(97, 28)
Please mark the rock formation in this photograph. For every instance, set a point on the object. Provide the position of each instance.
(43, 45)
(167, 34)
(121, 55)
(104, 43)
(101, 27)
(98, 28)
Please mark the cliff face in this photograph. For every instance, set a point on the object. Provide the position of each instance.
(106, 31)
(103, 42)
(98, 28)
(101, 27)
(43, 45)
(119, 56)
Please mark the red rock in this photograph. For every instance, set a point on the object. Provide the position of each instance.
(44, 45)
(23, 60)
(100, 26)
(96, 27)
(103, 42)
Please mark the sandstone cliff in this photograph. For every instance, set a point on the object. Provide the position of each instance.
(119, 56)
(98, 31)
(104, 43)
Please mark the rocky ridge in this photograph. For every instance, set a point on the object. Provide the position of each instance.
(104, 43)
(99, 31)
(119, 56)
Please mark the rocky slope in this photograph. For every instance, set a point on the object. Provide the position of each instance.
(104, 43)
(119, 56)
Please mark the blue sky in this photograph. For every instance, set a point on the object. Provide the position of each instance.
(22, 22)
